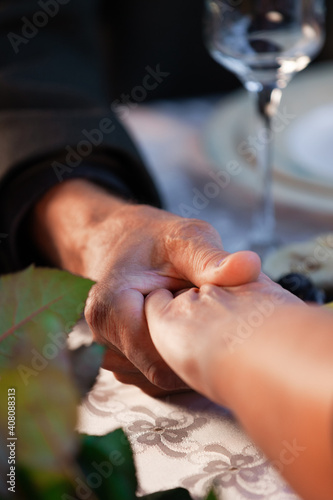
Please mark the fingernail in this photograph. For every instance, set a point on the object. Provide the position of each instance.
(221, 262)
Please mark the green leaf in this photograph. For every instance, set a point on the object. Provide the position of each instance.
(212, 495)
(45, 418)
(176, 494)
(56, 487)
(107, 463)
(38, 307)
(49, 299)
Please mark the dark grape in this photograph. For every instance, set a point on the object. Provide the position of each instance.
(302, 287)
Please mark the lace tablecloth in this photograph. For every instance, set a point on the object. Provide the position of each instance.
(185, 440)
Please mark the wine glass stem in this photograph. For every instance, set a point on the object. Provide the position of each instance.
(268, 99)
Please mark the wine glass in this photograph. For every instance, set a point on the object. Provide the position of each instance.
(264, 42)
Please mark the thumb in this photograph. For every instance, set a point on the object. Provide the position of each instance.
(201, 259)
(234, 270)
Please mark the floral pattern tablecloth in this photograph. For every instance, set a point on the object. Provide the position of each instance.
(180, 441)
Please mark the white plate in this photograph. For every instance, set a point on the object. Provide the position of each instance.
(303, 162)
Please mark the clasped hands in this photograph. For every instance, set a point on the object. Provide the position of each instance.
(130, 251)
(156, 251)
(176, 311)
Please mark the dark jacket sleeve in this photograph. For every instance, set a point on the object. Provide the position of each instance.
(55, 116)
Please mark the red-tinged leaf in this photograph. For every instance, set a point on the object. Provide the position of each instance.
(50, 299)
(37, 308)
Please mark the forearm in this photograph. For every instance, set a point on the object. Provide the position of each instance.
(279, 383)
(63, 222)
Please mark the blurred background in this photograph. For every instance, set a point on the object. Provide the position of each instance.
(169, 33)
(188, 130)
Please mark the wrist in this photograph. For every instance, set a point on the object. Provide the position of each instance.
(287, 354)
(281, 389)
(63, 221)
(248, 355)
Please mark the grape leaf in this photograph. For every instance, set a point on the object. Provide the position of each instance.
(37, 308)
(49, 298)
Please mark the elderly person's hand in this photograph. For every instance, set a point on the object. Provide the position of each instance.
(131, 250)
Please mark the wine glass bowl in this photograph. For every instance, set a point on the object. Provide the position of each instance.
(264, 42)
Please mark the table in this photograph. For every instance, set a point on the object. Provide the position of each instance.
(170, 135)
(185, 440)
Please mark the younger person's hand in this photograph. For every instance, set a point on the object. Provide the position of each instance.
(268, 357)
(191, 329)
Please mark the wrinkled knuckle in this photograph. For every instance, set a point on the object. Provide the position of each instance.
(184, 230)
(98, 315)
(92, 312)
(203, 227)
(194, 227)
